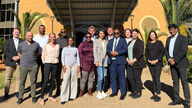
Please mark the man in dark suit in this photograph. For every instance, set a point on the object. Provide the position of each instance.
(12, 62)
(175, 51)
(117, 49)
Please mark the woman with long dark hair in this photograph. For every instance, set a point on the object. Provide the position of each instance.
(154, 54)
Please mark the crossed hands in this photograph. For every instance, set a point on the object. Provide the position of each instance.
(153, 62)
(171, 61)
(16, 58)
(131, 62)
(114, 53)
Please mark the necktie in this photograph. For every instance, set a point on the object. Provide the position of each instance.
(115, 44)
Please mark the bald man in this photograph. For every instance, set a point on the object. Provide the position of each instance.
(28, 51)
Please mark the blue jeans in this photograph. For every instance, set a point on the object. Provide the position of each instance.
(101, 72)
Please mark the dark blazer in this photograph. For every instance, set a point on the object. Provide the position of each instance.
(138, 50)
(10, 52)
(121, 49)
(179, 51)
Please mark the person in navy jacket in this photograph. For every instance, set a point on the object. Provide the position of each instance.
(116, 50)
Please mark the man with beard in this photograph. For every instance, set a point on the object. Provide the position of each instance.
(42, 40)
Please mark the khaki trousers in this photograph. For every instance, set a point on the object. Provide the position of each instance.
(87, 77)
(69, 84)
(9, 75)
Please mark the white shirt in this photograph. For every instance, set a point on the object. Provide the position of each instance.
(103, 46)
(172, 45)
(109, 38)
(42, 41)
(115, 43)
(16, 42)
(70, 56)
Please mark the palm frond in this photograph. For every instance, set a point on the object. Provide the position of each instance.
(37, 19)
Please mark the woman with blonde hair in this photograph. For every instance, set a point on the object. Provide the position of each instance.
(50, 60)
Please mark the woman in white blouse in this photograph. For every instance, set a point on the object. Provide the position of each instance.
(71, 65)
(50, 60)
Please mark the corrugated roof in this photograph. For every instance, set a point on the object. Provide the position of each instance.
(92, 11)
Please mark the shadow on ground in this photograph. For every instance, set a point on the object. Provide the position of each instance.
(164, 88)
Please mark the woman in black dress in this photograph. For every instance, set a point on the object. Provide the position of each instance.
(154, 55)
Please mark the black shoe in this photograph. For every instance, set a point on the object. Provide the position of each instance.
(157, 99)
(186, 105)
(137, 95)
(122, 97)
(175, 103)
(113, 94)
(6, 96)
(20, 100)
(34, 100)
(63, 103)
(17, 94)
(71, 99)
(153, 97)
(132, 94)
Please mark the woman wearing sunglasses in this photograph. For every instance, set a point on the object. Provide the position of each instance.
(87, 64)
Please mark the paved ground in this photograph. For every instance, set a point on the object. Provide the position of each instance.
(92, 102)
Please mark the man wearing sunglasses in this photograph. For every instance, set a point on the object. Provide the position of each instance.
(116, 50)
(62, 41)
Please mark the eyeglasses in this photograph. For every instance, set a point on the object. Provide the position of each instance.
(88, 36)
(116, 33)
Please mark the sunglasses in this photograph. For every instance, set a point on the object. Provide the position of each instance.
(116, 33)
(88, 36)
(63, 32)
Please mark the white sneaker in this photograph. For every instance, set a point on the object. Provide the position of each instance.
(104, 94)
(99, 95)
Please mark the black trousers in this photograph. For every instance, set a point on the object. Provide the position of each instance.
(49, 69)
(58, 76)
(155, 71)
(134, 77)
(40, 64)
(180, 73)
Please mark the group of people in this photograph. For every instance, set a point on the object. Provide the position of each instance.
(105, 57)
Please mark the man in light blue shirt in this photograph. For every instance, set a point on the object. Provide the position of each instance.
(91, 30)
(172, 44)
(175, 50)
(42, 40)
